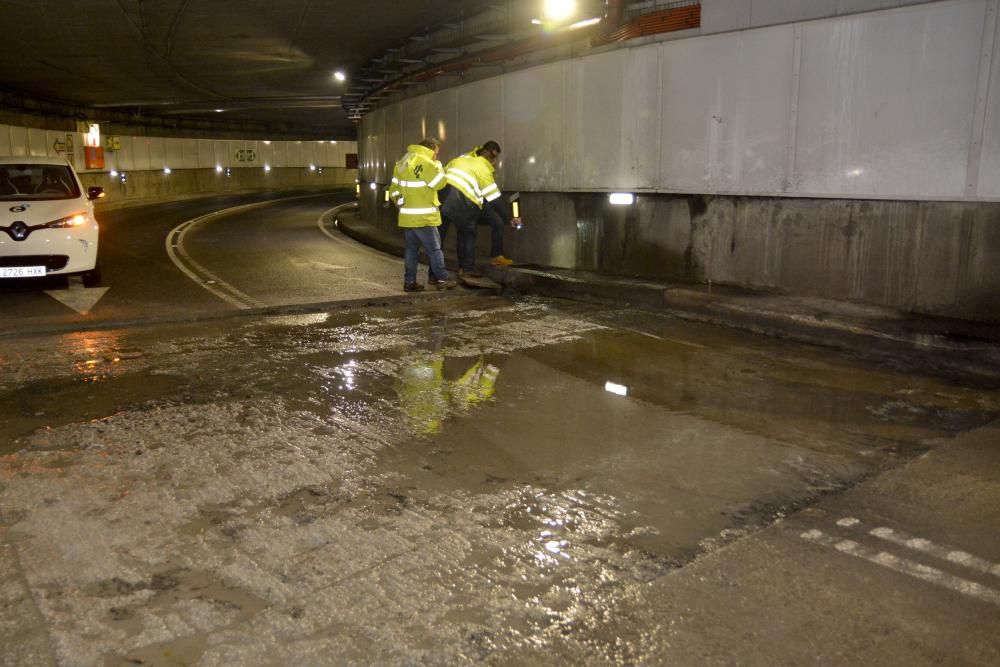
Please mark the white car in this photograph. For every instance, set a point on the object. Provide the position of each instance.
(47, 224)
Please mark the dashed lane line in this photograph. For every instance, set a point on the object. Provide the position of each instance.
(945, 553)
(905, 566)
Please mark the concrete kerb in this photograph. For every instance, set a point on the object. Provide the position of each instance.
(920, 341)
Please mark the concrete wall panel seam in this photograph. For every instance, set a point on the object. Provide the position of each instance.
(981, 99)
(794, 113)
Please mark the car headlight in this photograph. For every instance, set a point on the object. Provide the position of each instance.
(74, 220)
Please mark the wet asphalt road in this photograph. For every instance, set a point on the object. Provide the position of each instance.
(471, 480)
(276, 254)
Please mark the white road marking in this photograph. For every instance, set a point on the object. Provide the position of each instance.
(79, 298)
(906, 566)
(938, 551)
(321, 222)
(202, 276)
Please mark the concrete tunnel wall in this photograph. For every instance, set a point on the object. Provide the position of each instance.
(854, 157)
(198, 167)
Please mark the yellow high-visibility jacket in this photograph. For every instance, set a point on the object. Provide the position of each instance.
(472, 175)
(416, 180)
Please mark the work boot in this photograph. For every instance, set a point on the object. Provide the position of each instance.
(500, 260)
(443, 284)
(412, 287)
(469, 274)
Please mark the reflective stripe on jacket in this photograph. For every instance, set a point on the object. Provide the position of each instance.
(472, 175)
(416, 180)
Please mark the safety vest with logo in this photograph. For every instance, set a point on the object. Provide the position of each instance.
(416, 180)
(472, 175)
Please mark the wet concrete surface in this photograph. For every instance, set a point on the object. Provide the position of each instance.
(466, 481)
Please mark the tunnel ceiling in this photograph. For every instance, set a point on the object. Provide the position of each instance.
(266, 63)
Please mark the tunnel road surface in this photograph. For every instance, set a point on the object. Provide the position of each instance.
(275, 253)
(478, 480)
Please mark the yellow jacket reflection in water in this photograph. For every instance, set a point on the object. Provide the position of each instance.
(427, 398)
(422, 392)
(477, 385)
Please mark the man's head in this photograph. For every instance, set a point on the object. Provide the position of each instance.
(431, 143)
(490, 151)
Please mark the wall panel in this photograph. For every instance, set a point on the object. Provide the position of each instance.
(38, 143)
(534, 124)
(887, 100)
(413, 122)
(18, 141)
(442, 119)
(174, 153)
(189, 154)
(726, 102)
(395, 143)
(480, 106)
(595, 144)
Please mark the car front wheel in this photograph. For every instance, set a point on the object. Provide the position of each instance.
(92, 278)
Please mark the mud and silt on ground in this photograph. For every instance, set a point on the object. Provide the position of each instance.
(467, 480)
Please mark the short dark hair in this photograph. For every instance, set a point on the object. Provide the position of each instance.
(431, 143)
(490, 146)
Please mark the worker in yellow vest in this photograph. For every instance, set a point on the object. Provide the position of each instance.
(472, 194)
(416, 180)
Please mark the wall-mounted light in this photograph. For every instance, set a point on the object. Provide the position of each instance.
(166, 170)
(373, 186)
(615, 388)
(218, 168)
(123, 178)
(218, 111)
(112, 173)
(621, 198)
(312, 167)
(340, 76)
(267, 167)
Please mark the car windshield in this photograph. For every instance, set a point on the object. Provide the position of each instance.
(37, 181)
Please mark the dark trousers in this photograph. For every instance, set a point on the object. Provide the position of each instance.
(465, 216)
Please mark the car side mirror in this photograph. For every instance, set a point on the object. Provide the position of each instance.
(96, 193)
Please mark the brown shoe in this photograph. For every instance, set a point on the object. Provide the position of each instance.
(442, 284)
(412, 287)
(469, 274)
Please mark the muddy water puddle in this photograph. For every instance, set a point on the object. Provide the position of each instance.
(499, 473)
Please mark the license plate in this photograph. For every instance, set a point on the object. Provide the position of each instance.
(22, 271)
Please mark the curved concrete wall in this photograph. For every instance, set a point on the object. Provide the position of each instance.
(896, 104)
(855, 158)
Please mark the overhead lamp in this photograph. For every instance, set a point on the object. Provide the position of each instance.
(166, 170)
(558, 10)
(559, 15)
(218, 168)
(267, 167)
(621, 198)
(340, 76)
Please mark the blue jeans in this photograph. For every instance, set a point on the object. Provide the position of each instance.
(429, 239)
